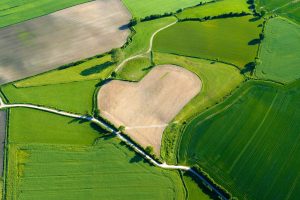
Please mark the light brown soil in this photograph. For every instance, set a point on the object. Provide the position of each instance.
(145, 108)
(62, 37)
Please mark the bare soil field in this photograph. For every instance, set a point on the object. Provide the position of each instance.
(62, 37)
(146, 107)
(2, 138)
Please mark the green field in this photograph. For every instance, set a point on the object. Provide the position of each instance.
(33, 126)
(215, 9)
(286, 8)
(96, 68)
(231, 40)
(141, 9)
(218, 80)
(52, 156)
(12, 12)
(279, 54)
(144, 30)
(135, 70)
(250, 143)
(74, 97)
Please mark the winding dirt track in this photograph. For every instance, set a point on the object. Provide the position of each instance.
(69, 35)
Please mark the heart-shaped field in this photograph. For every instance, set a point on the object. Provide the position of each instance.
(145, 108)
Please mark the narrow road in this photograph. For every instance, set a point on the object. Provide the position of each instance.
(149, 49)
(119, 135)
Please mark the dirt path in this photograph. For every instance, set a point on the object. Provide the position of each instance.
(121, 137)
(149, 49)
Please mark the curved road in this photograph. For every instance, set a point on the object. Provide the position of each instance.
(118, 134)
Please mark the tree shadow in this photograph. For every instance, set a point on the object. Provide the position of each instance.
(124, 27)
(79, 121)
(147, 68)
(201, 185)
(254, 41)
(249, 67)
(101, 83)
(136, 158)
(96, 69)
(254, 19)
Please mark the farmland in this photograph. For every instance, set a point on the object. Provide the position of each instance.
(13, 12)
(141, 9)
(165, 90)
(74, 97)
(140, 40)
(279, 55)
(286, 8)
(215, 9)
(218, 81)
(250, 156)
(82, 31)
(64, 149)
(231, 40)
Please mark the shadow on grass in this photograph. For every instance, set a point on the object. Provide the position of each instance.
(96, 69)
(79, 121)
(254, 42)
(147, 68)
(202, 186)
(101, 83)
(254, 19)
(249, 67)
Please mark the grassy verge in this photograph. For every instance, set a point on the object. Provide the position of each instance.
(218, 80)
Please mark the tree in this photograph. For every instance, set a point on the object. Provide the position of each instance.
(149, 150)
(116, 55)
(261, 36)
(133, 22)
(121, 128)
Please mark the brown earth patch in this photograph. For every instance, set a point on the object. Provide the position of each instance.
(146, 107)
(72, 34)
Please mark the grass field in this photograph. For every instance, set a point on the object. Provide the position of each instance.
(218, 80)
(286, 8)
(279, 53)
(144, 30)
(52, 156)
(254, 153)
(215, 9)
(135, 70)
(16, 11)
(231, 40)
(141, 9)
(32, 126)
(74, 97)
(96, 68)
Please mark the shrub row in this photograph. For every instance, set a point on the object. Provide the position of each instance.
(226, 15)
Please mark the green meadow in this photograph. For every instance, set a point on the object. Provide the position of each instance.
(16, 11)
(141, 9)
(279, 54)
(249, 143)
(231, 40)
(215, 8)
